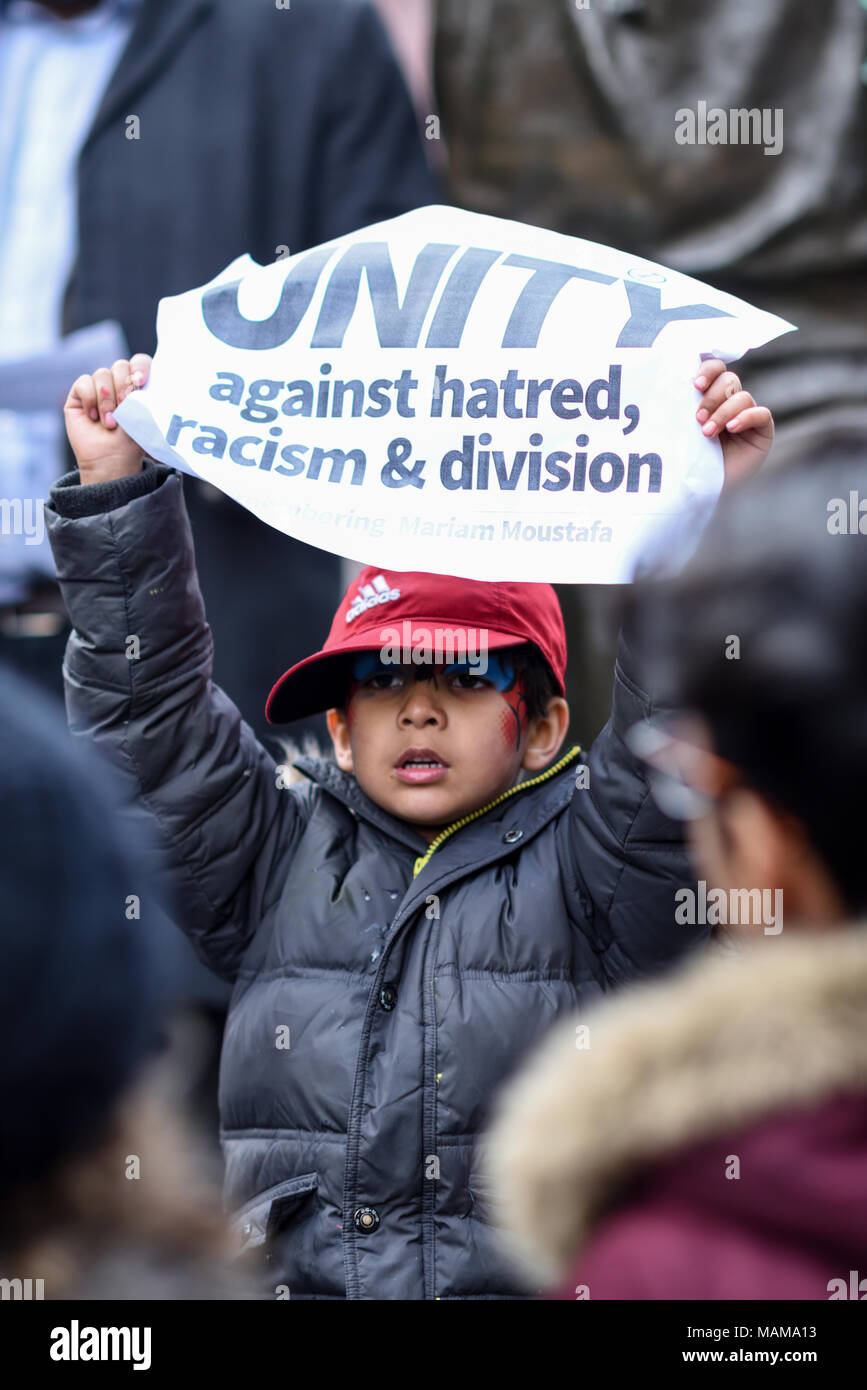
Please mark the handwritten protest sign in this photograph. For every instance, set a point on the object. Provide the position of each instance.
(448, 392)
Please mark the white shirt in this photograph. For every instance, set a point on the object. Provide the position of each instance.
(53, 74)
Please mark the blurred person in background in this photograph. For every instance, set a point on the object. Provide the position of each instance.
(570, 116)
(144, 144)
(709, 1140)
(410, 25)
(102, 1192)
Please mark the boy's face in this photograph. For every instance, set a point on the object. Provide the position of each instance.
(432, 743)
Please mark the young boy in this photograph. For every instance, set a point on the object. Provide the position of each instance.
(404, 924)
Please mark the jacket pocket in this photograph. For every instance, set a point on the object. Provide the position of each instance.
(257, 1220)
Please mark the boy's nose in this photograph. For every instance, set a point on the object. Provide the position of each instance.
(422, 705)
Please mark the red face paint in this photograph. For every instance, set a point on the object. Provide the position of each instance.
(507, 726)
(514, 719)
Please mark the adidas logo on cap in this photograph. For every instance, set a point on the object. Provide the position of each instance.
(369, 595)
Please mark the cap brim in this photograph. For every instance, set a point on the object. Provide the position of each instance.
(319, 682)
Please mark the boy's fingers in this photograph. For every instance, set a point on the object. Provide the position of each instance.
(735, 405)
(140, 368)
(756, 417)
(105, 395)
(120, 374)
(724, 387)
(82, 395)
(98, 395)
(708, 372)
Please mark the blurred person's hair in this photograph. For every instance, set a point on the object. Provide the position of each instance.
(91, 1229)
(85, 1076)
(790, 709)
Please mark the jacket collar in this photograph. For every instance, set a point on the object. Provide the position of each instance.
(346, 789)
(518, 790)
(727, 1040)
(160, 27)
(545, 799)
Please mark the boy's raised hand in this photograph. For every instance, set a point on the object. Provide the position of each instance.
(102, 449)
(745, 430)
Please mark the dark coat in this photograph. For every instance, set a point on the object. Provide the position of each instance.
(382, 989)
(710, 1144)
(259, 128)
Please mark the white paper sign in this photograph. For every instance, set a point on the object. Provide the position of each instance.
(449, 392)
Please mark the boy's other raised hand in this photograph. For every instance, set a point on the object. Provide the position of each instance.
(728, 412)
(102, 449)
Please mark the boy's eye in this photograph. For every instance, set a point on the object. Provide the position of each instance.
(397, 679)
(465, 680)
(385, 680)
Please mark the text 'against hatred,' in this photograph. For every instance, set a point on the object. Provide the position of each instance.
(477, 464)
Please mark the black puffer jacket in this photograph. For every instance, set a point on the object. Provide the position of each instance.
(382, 988)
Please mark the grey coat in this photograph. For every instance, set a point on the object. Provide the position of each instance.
(382, 989)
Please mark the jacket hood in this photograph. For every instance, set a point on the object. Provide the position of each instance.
(729, 1043)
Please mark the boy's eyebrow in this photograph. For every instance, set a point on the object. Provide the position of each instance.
(365, 664)
(465, 665)
(371, 663)
(500, 671)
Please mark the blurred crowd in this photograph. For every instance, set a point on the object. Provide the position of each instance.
(144, 144)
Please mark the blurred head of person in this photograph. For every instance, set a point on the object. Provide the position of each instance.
(761, 642)
(100, 1193)
(68, 9)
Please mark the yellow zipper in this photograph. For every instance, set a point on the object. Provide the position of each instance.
(464, 820)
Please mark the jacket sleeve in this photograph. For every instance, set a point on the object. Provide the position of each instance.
(626, 858)
(372, 164)
(137, 675)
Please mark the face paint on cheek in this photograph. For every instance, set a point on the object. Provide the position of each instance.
(363, 666)
(507, 727)
(514, 718)
(500, 672)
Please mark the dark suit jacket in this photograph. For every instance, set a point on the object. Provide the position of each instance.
(259, 128)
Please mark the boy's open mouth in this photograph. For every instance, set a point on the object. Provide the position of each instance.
(417, 765)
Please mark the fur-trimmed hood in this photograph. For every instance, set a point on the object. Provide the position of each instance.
(727, 1041)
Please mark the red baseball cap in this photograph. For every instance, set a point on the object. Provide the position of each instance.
(382, 607)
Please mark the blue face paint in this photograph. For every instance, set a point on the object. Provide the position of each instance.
(500, 671)
(366, 664)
